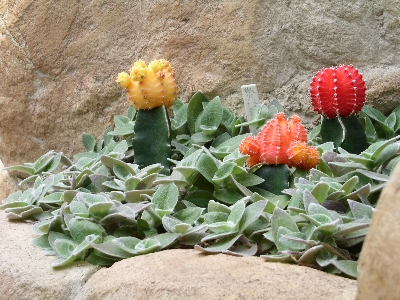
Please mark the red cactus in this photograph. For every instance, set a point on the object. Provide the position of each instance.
(273, 142)
(338, 91)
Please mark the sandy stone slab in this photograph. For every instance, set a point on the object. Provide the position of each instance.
(25, 273)
(189, 274)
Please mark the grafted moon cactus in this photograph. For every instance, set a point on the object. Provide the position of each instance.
(280, 141)
(151, 89)
(338, 94)
(150, 86)
(338, 91)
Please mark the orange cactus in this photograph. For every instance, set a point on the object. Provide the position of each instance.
(249, 146)
(302, 156)
(280, 141)
(297, 130)
(274, 141)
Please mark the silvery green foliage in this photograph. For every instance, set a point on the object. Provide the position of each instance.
(101, 207)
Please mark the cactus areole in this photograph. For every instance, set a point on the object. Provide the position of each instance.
(150, 86)
(338, 91)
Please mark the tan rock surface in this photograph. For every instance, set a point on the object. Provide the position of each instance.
(379, 267)
(188, 274)
(8, 183)
(25, 273)
(58, 60)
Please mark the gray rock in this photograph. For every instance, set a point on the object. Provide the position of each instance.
(379, 269)
(59, 60)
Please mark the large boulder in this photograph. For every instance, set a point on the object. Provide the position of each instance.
(26, 273)
(59, 59)
(379, 269)
(189, 274)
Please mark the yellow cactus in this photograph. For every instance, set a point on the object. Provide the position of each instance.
(124, 79)
(150, 86)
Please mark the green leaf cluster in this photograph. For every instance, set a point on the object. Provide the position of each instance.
(105, 205)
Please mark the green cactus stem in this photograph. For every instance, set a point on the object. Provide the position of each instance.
(151, 144)
(276, 178)
(344, 132)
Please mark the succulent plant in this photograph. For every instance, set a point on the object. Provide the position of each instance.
(338, 94)
(279, 142)
(151, 89)
(285, 196)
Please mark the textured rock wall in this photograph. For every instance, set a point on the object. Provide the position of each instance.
(58, 59)
(8, 184)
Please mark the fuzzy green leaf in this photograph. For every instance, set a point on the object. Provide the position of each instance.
(42, 241)
(110, 248)
(165, 199)
(206, 166)
(212, 116)
(387, 153)
(280, 218)
(380, 119)
(21, 168)
(361, 211)
(223, 172)
(90, 199)
(320, 191)
(99, 210)
(319, 209)
(80, 229)
(288, 240)
(195, 107)
(221, 245)
(237, 211)
(251, 214)
(348, 267)
(248, 179)
(78, 209)
(283, 258)
(89, 142)
(215, 217)
(189, 215)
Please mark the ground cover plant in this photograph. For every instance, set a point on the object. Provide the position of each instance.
(195, 178)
